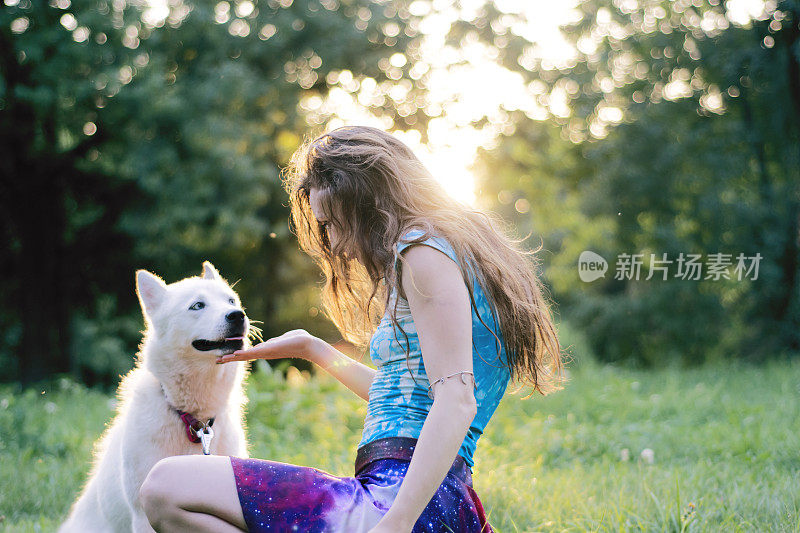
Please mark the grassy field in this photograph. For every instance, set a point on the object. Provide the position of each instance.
(723, 441)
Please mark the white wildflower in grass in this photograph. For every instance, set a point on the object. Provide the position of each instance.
(624, 454)
(647, 456)
(50, 407)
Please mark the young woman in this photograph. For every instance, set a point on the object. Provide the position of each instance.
(451, 310)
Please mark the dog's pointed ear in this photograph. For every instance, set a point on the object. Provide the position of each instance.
(209, 272)
(151, 290)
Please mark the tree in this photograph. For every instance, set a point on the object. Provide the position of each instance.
(686, 133)
(137, 138)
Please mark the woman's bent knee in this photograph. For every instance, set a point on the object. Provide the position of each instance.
(156, 491)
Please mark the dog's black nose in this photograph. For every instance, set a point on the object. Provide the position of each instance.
(235, 316)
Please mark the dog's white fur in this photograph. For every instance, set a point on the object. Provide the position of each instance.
(146, 427)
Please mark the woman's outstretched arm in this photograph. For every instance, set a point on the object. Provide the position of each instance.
(299, 343)
(440, 307)
(354, 375)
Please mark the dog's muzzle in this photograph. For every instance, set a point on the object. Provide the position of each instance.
(234, 336)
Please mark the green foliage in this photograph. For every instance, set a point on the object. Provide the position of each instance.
(101, 342)
(711, 168)
(130, 142)
(133, 140)
(724, 455)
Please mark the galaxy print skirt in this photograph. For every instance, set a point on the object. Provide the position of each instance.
(280, 497)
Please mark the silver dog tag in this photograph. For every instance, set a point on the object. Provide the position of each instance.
(206, 434)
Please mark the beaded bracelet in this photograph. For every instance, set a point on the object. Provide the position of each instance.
(430, 387)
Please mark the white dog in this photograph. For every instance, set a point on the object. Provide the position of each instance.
(173, 401)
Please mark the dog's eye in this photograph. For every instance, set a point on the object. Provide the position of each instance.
(232, 301)
(197, 306)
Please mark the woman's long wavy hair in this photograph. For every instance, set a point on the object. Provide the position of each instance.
(373, 189)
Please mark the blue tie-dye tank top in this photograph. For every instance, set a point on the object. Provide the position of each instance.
(398, 405)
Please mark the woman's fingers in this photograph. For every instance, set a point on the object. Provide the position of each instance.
(291, 344)
(274, 348)
(259, 348)
(256, 352)
(231, 357)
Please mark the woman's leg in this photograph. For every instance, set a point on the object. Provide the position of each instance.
(193, 493)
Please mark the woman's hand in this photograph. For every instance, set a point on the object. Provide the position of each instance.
(294, 343)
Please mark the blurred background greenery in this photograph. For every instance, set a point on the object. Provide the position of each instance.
(151, 133)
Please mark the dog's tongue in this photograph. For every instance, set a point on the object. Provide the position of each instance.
(234, 338)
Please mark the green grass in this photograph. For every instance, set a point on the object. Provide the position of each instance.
(725, 441)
